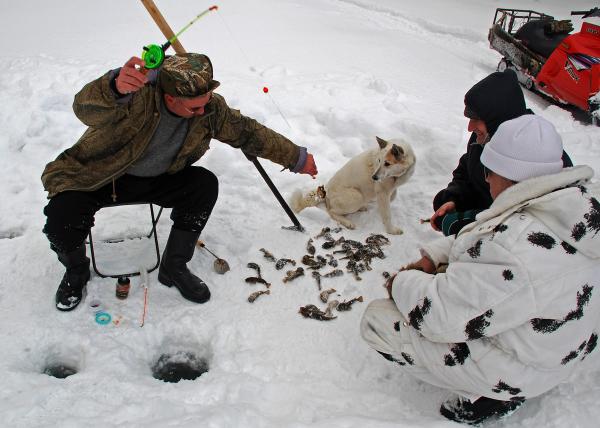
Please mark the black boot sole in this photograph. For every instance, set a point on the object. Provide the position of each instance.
(166, 281)
(83, 294)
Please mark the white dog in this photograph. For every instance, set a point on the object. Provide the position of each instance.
(373, 174)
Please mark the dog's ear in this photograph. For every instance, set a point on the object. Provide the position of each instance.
(397, 151)
(382, 143)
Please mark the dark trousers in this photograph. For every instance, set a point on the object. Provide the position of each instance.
(192, 193)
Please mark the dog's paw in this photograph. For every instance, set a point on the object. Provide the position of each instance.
(394, 230)
(346, 223)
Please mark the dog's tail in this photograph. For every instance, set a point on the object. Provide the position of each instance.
(313, 198)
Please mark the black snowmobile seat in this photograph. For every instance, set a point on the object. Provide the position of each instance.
(535, 36)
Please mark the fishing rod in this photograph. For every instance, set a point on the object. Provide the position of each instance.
(172, 40)
(154, 55)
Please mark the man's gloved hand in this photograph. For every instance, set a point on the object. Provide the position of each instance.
(131, 79)
(309, 167)
(452, 223)
(564, 26)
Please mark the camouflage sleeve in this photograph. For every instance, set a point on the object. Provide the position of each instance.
(97, 103)
(253, 138)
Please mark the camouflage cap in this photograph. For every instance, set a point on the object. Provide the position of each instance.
(187, 75)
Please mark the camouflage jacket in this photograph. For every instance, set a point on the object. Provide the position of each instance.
(120, 130)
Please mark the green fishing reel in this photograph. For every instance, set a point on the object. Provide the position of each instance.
(153, 56)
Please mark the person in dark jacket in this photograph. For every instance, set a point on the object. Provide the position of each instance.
(145, 132)
(490, 102)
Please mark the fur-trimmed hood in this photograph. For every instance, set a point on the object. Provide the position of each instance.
(561, 201)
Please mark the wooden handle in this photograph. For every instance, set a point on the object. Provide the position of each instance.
(162, 25)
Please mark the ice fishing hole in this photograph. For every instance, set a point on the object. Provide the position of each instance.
(59, 371)
(179, 365)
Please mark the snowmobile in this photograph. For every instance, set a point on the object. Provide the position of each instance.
(548, 58)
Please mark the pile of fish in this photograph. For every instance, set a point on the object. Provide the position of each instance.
(358, 257)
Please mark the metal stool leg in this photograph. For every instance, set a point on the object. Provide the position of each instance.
(154, 222)
(136, 273)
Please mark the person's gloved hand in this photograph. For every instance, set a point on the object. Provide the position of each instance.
(309, 167)
(130, 78)
(564, 26)
(452, 223)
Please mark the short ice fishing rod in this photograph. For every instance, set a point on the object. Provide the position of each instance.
(154, 55)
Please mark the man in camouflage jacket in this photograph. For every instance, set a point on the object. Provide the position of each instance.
(145, 131)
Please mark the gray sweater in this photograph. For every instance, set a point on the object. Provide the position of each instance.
(163, 147)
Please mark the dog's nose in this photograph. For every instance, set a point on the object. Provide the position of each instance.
(375, 177)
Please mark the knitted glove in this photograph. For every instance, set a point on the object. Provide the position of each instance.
(453, 222)
(564, 26)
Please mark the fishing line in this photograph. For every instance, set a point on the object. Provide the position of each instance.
(265, 88)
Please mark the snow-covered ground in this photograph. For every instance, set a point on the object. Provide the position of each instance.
(341, 72)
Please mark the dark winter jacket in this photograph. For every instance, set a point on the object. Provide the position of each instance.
(495, 99)
(120, 130)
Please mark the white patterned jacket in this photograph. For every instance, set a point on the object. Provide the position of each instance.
(519, 305)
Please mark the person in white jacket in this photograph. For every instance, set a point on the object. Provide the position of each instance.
(518, 306)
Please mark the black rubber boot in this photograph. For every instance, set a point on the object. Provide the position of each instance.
(463, 411)
(173, 270)
(70, 290)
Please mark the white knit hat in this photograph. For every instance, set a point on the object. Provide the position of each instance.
(522, 148)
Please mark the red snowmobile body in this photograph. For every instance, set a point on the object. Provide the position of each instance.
(563, 66)
(570, 75)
